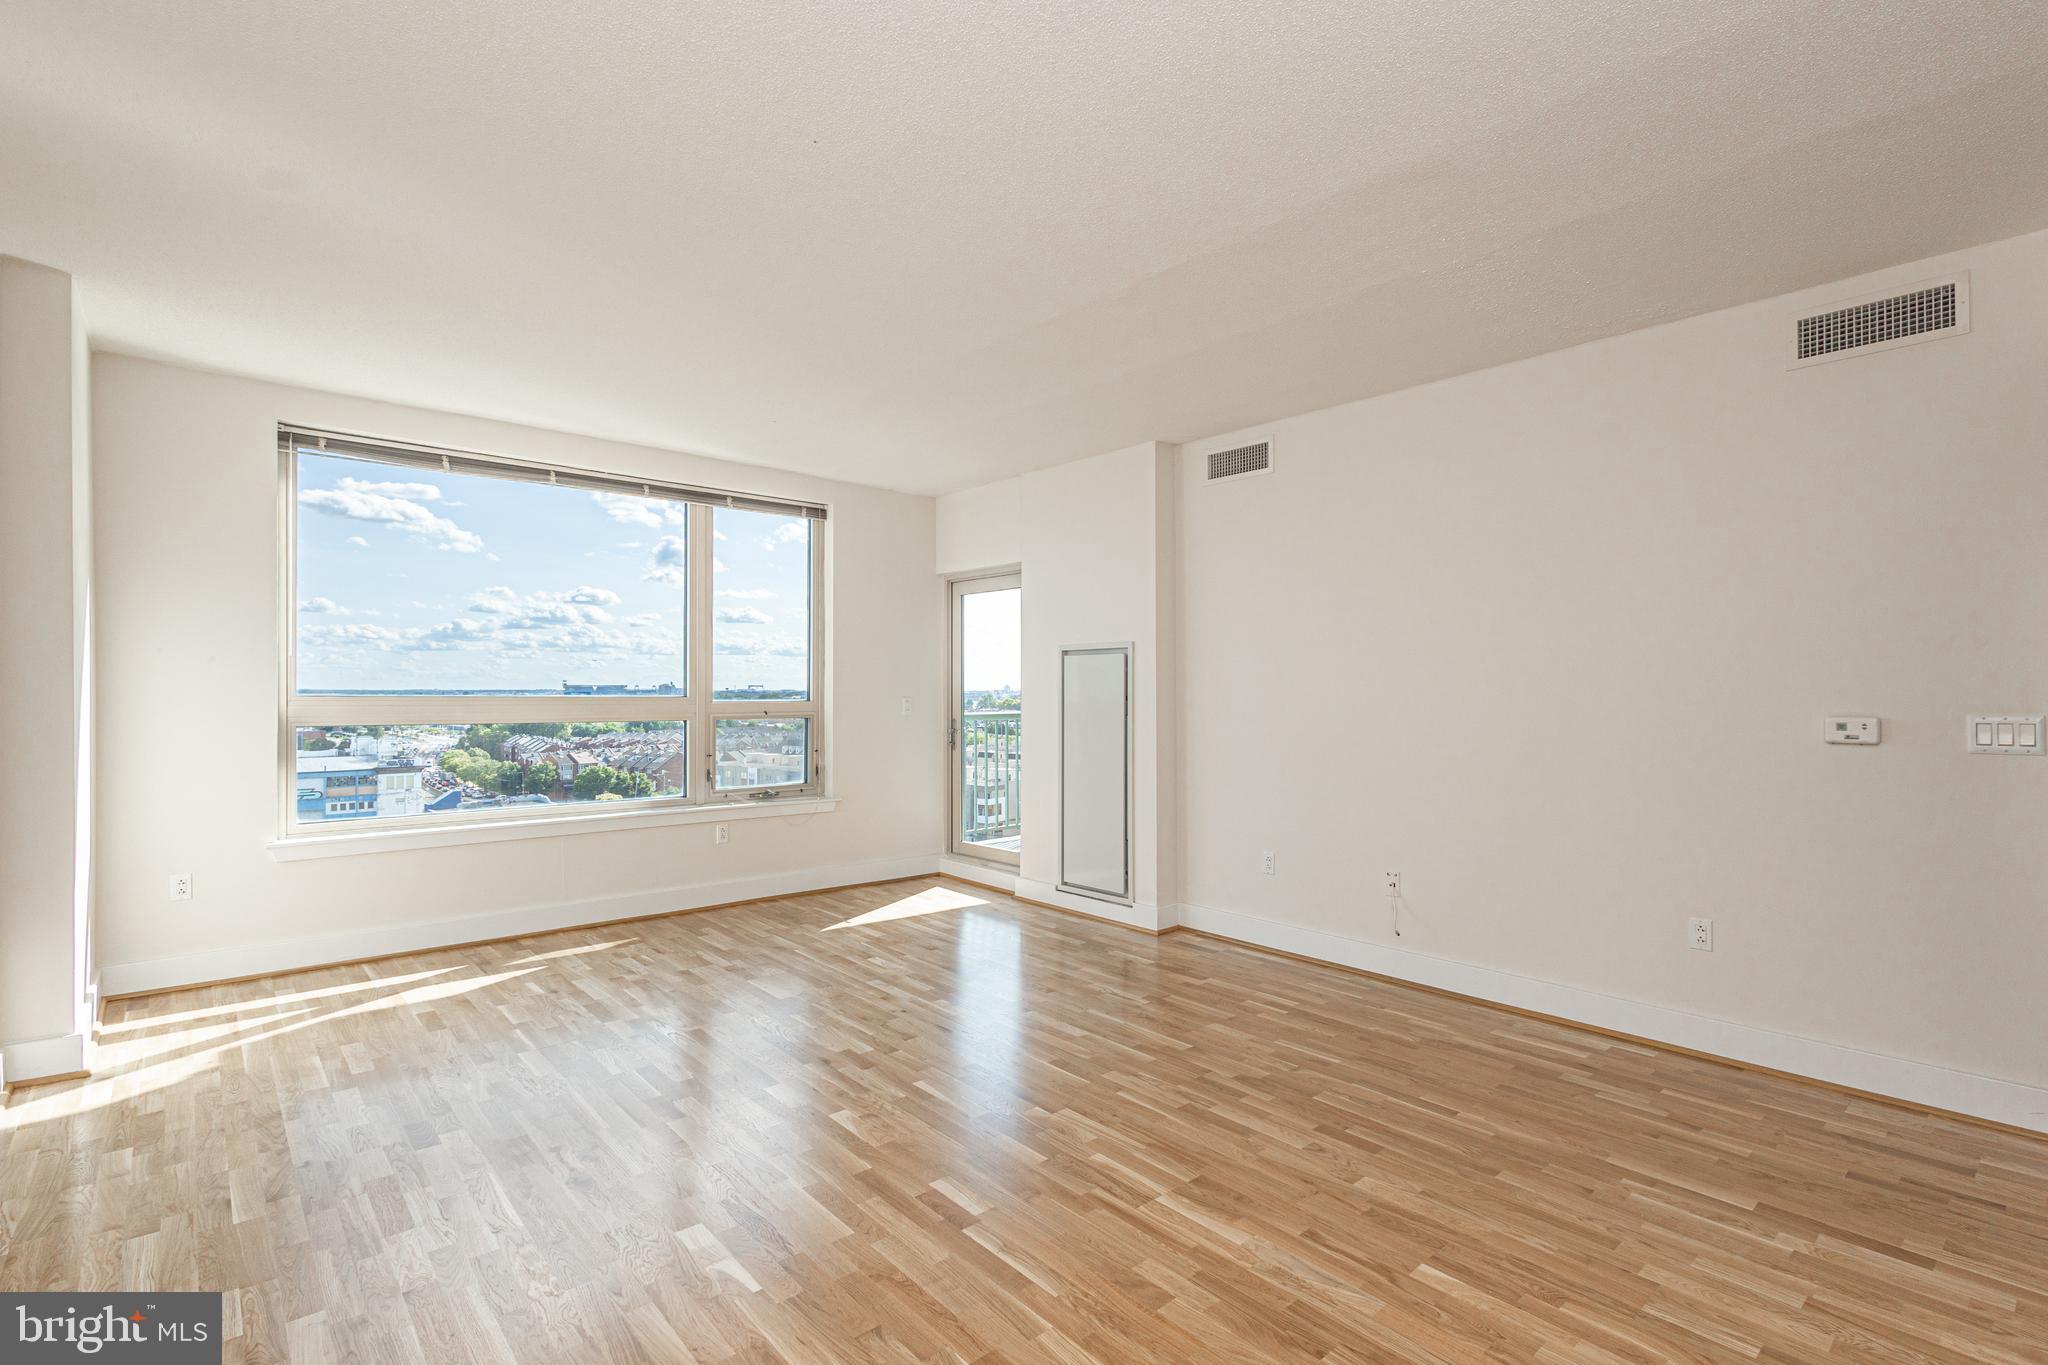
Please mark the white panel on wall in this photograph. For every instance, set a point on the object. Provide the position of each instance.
(1095, 770)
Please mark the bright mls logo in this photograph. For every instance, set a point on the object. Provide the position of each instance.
(168, 1329)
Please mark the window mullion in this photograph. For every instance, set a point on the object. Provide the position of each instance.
(703, 760)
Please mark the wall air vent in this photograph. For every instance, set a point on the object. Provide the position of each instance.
(1239, 461)
(1925, 312)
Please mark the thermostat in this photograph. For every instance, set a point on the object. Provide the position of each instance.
(1852, 730)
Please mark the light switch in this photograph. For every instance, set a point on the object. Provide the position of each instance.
(2006, 735)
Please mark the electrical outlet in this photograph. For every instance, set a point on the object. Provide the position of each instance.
(1699, 934)
(1269, 865)
(1393, 885)
(181, 886)
(906, 706)
(721, 834)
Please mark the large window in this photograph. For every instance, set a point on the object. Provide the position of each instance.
(474, 637)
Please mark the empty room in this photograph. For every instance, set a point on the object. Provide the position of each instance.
(931, 682)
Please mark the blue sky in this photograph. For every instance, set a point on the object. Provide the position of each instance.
(991, 641)
(413, 580)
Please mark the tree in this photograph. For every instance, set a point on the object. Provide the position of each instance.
(488, 738)
(595, 781)
(319, 745)
(479, 769)
(543, 777)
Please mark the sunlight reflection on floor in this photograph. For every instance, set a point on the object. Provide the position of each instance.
(264, 1002)
(930, 902)
(79, 1099)
(576, 952)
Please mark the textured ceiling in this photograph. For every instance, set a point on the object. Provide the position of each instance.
(928, 244)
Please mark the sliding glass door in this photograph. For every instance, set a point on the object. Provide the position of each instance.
(985, 731)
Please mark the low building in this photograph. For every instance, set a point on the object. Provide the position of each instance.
(338, 786)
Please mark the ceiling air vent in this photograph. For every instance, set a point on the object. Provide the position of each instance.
(1936, 309)
(1239, 461)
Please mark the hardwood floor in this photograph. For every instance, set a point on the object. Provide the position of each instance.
(913, 1122)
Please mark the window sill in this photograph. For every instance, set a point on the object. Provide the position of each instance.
(298, 847)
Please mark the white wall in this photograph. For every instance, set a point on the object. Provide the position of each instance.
(190, 657)
(45, 681)
(981, 528)
(1555, 640)
(1093, 538)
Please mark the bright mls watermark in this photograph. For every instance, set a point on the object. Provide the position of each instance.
(169, 1329)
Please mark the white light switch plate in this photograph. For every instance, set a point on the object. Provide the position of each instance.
(2005, 735)
(1853, 730)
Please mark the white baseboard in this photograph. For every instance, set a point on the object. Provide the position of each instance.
(39, 1058)
(981, 874)
(1141, 915)
(2022, 1106)
(1985, 1097)
(258, 959)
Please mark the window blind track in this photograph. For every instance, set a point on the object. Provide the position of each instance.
(291, 438)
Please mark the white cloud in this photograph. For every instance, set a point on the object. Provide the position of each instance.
(359, 501)
(718, 566)
(322, 606)
(783, 534)
(575, 626)
(743, 616)
(745, 594)
(359, 542)
(354, 632)
(653, 513)
(583, 605)
(782, 649)
(670, 556)
(539, 613)
(455, 634)
(417, 492)
(717, 534)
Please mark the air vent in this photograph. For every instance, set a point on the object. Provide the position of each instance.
(1238, 461)
(1923, 313)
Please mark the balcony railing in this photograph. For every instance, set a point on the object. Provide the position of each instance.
(990, 758)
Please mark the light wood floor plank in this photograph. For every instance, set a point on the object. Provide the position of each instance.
(918, 1123)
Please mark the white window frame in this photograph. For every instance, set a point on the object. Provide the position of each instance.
(696, 707)
(959, 589)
